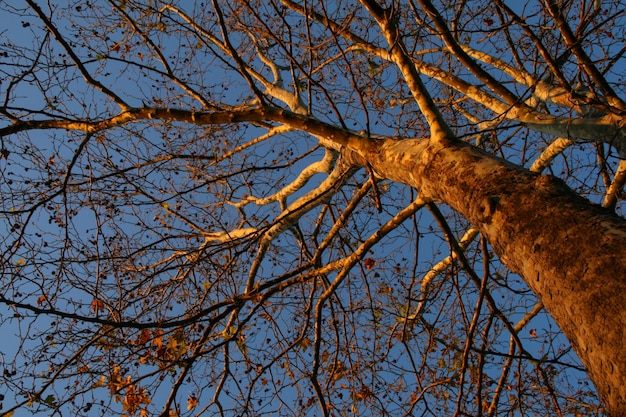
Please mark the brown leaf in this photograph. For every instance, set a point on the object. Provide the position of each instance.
(370, 263)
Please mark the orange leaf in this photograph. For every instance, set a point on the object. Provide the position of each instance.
(143, 337)
(97, 305)
(192, 402)
(158, 338)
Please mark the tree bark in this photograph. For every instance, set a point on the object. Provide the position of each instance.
(570, 252)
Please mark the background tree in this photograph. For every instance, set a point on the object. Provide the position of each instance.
(233, 207)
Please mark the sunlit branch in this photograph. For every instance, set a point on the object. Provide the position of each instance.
(443, 31)
(272, 131)
(554, 67)
(541, 90)
(323, 166)
(605, 129)
(574, 45)
(276, 88)
(332, 134)
(616, 187)
(440, 267)
(555, 148)
(440, 131)
(228, 236)
(357, 255)
(360, 44)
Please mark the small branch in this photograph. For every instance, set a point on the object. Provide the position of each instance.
(350, 261)
(294, 212)
(510, 357)
(77, 61)
(464, 262)
(243, 67)
(372, 180)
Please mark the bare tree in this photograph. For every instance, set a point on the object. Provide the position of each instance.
(313, 208)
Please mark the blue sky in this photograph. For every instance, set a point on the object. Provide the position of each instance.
(401, 259)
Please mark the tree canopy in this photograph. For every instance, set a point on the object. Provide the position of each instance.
(279, 207)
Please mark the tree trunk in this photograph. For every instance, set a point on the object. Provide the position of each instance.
(570, 252)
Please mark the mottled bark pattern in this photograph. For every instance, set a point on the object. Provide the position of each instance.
(570, 252)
